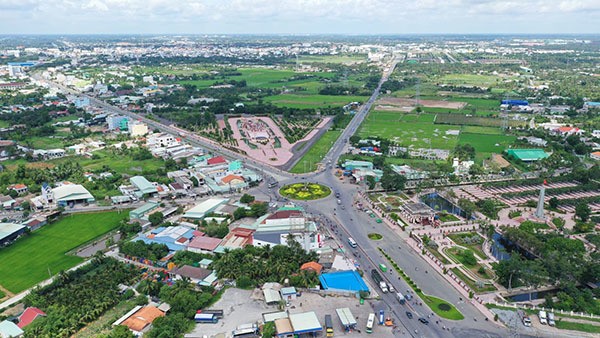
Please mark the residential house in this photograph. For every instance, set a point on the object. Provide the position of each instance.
(29, 315)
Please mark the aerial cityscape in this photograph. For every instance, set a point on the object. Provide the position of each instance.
(314, 175)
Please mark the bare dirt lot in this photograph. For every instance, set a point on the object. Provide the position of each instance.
(240, 308)
(401, 104)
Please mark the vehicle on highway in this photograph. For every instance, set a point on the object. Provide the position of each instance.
(401, 298)
(423, 320)
(339, 202)
(352, 242)
(370, 322)
(409, 314)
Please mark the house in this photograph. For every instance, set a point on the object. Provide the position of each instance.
(216, 161)
(276, 229)
(35, 223)
(176, 238)
(9, 329)
(312, 266)
(29, 315)
(568, 131)
(288, 293)
(143, 211)
(140, 319)
(196, 275)
(232, 180)
(7, 202)
(237, 238)
(204, 244)
(595, 155)
(19, 188)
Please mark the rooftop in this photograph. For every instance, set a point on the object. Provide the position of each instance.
(200, 210)
(142, 318)
(205, 243)
(7, 229)
(343, 280)
(527, 154)
(192, 272)
(143, 184)
(305, 322)
(71, 192)
(29, 315)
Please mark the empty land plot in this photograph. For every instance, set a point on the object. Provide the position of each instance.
(315, 154)
(404, 102)
(483, 104)
(482, 130)
(32, 258)
(458, 119)
(416, 130)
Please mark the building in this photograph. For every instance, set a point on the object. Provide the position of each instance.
(363, 165)
(276, 229)
(29, 315)
(461, 167)
(527, 155)
(298, 324)
(142, 211)
(16, 69)
(271, 294)
(204, 244)
(312, 266)
(418, 213)
(117, 122)
(288, 293)
(595, 155)
(201, 210)
(137, 129)
(70, 194)
(35, 223)
(237, 238)
(12, 85)
(9, 329)
(343, 281)
(568, 131)
(195, 274)
(143, 186)
(19, 188)
(9, 232)
(176, 238)
(216, 161)
(139, 319)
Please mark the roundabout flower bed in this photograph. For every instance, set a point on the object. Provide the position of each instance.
(305, 191)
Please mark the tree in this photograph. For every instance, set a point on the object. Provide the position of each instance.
(391, 181)
(468, 258)
(121, 331)
(246, 198)
(370, 182)
(467, 206)
(509, 270)
(583, 211)
(379, 162)
(259, 209)
(553, 202)
(239, 213)
(156, 218)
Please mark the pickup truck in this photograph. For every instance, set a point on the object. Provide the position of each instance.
(383, 286)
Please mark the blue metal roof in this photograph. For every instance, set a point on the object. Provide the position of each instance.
(343, 280)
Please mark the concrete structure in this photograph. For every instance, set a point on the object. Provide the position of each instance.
(418, 213)
(117, 122)
(195, 274)
(276, 228)
(343, 281)
(137, 129)
(204, 208)
(409, 173)
(18, 188)
(176, 238)
(527, 155)
(204, 244)
(539, 212)
(352, 165)
(9, 232)
(272, 296)
(288, 293)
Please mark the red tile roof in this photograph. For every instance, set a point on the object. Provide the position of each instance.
(227, 179)
(283, 214)
(29, 315)
(216, 160)
(205, 243)
(314, 266)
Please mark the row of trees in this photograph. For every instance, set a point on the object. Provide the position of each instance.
(78, 297)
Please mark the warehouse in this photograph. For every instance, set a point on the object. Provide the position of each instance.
(9, 232)
(144, 187)
(343, 281)
(527, 155)
(204, 208)
(298, 324)
(69, 194)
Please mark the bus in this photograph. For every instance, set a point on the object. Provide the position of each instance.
(245, 330)
(370, 323)
(328, 326)
(352, 242)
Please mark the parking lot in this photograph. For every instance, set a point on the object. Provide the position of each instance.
(243, 307)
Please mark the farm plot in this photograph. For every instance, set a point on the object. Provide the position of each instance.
(457, 119)
(42, 253)
(417, 130)
(312, 101)
(393, 103)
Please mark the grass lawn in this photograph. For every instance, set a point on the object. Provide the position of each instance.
(32, 258)
(445, 217)
(309, 161)
(471, 283)
(476, 248)
(103, 325)
(439, 256)
(486, 143)
(469, 80)
(2, 294)
(409, 129)
(121, 164)
(561, 324)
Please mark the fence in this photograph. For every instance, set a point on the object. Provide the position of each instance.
(541, 308)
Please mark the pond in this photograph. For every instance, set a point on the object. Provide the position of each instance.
(502, 248)
(439, 203)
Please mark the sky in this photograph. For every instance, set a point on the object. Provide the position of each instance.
(299, 16)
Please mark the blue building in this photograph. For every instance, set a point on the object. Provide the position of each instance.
(81, 102)
(515, 102)
(343, 281)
